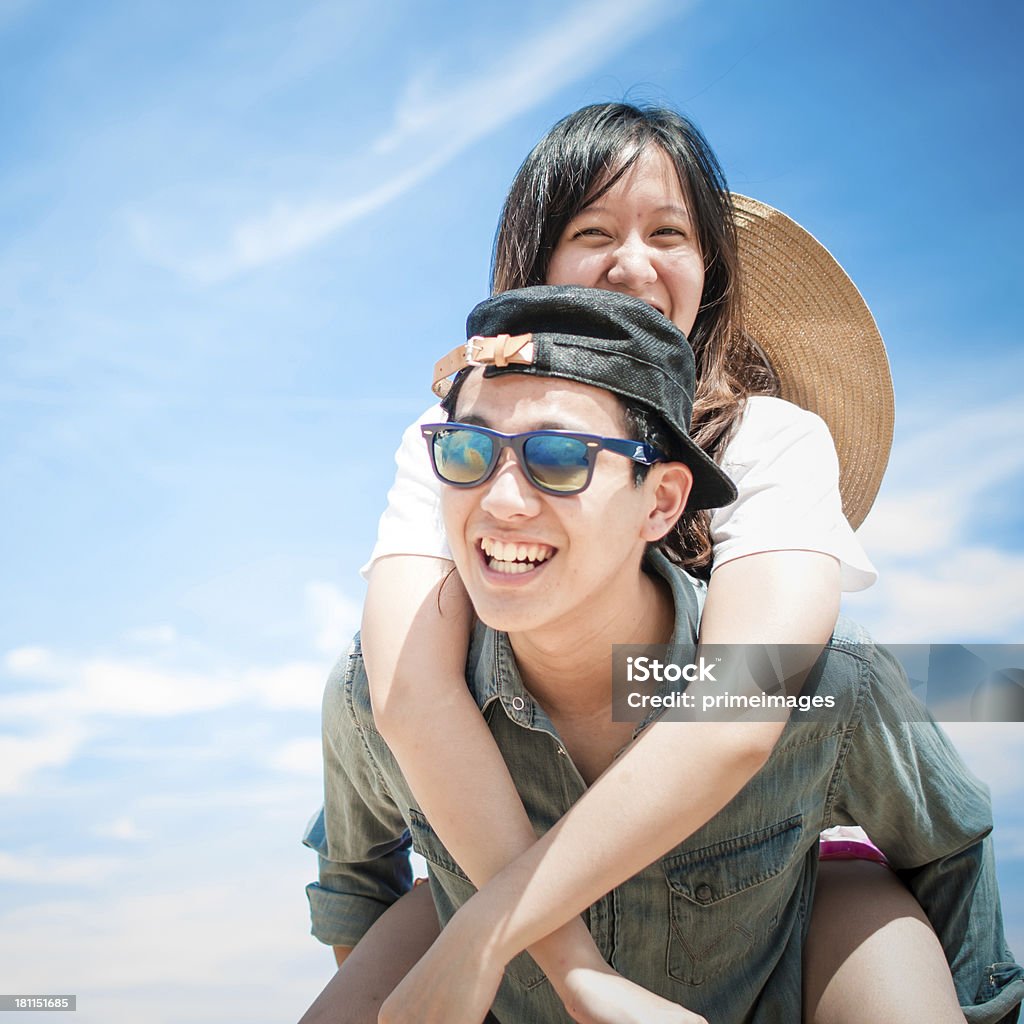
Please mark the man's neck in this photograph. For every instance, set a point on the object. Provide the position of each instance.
(567, 666)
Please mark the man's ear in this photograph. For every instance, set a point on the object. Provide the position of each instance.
(668, 484)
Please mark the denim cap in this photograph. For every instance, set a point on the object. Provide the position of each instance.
(597, 337)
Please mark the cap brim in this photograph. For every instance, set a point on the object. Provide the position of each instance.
(711, 488)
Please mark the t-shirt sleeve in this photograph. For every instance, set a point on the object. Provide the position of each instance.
(412, 523)
(784, 464)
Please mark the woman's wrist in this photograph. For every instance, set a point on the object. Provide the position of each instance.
(472, 933)
(476, 926)
(569, 949)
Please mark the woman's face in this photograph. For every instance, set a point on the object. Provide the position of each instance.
(639, 239)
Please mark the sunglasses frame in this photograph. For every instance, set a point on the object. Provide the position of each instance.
(638, 451)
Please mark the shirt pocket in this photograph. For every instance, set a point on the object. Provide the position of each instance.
(726, 896)
(522, 969)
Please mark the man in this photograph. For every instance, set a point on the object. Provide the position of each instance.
(557, 542)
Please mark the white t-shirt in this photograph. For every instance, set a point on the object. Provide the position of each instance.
(781, 458)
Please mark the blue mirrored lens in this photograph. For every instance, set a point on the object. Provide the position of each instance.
(557, 463)
(462, 456)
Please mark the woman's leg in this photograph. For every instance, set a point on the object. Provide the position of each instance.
(384, 955)
(871, 954)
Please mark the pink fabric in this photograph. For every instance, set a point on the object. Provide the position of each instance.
(849, 849)
(848, 842)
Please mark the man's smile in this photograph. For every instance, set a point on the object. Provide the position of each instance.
(514, 558)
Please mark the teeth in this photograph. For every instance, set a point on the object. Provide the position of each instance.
(511, 568)
(508, 557)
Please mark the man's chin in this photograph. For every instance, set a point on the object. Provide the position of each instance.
(508, 615)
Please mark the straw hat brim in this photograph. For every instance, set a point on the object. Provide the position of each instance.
(818, 334)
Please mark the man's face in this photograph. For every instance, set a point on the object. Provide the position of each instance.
(580, 552)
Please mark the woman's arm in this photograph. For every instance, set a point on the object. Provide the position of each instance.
(415, 637)
(415, 630)
(786, 596)
(790, 597)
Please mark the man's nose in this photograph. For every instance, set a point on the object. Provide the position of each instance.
(508, 493)
(632, 264)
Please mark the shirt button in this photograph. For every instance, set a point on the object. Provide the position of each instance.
(704, 893)
(518, 703)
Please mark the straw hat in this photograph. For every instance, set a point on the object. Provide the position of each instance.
(821, 340)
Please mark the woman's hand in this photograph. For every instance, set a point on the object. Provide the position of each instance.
(448, 988)
(605, 997)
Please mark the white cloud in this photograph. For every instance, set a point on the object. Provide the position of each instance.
(909, 523)
(300, 757)
(175, 928)
(72, 693)
(523, 75)
(335, 615)
(431, 127)
(28, 661)
(113, 686)
(21, 757)
(133, 687)
(156, 636)
(268, 799)
(938, 478)
(970, 594)
(180, 942)
(123, 828)
(299, 684)
(36, 870)
(941, 576)
(288, 227)
(98, 689)
(994, 751)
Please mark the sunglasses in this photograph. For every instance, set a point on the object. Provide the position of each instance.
(554, 461)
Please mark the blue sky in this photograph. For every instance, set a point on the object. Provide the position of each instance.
(233, 239)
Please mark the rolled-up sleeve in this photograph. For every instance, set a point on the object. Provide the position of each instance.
(902, 779)
(359, 835)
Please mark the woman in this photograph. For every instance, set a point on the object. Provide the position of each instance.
(633, 201)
